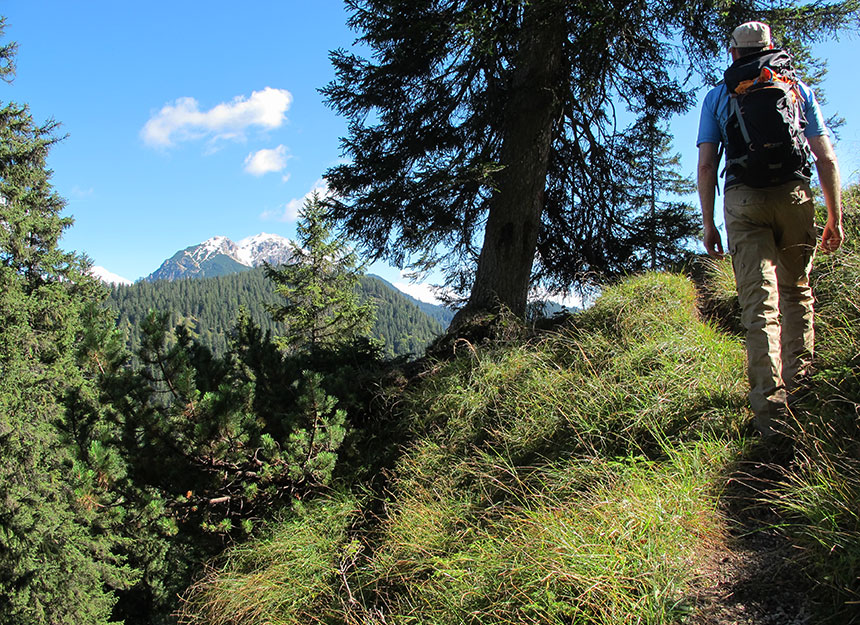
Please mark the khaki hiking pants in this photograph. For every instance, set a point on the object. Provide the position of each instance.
(771, 236)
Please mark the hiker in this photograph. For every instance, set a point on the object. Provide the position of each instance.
(768, 209)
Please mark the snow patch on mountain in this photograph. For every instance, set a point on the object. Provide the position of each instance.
(251, 251)
(212, 247)
(216, 255)
(270, 248)
(108, 277)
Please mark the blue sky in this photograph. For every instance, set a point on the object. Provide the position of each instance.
(188, 120)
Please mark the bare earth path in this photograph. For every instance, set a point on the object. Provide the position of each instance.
(752, 578)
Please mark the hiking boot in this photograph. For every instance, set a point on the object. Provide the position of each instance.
(776, 446)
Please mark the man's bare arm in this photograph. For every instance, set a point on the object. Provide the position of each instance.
(831, 188)
(706, 180)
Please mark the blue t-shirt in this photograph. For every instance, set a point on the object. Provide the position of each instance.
(715, 115)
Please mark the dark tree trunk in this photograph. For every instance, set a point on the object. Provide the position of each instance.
(510, 240)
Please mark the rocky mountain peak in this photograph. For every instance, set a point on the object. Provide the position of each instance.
(221, 256)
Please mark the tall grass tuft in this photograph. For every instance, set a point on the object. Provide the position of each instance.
(719, 295)
(580, 540)
(292, 576)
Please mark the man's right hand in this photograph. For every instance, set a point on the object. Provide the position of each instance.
(706, 182)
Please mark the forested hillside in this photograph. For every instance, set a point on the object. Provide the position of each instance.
(212, 306)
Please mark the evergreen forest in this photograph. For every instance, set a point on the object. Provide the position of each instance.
(210, 306)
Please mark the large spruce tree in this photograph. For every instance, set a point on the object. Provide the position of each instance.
(485, 135)
(58, 557)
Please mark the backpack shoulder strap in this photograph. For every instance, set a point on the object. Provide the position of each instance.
(735, 108)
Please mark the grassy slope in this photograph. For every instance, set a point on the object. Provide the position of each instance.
(572, 478)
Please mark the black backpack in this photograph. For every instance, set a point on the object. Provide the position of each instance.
(766, 146)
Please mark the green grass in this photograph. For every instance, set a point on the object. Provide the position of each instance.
(569, 477)
(639, 361)
(582, 540)
(289, 577)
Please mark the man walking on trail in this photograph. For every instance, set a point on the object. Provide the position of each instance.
(768, 217)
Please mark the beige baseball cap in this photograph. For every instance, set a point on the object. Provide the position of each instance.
(751, 35)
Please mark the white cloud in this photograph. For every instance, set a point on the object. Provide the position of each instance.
(421, 292)
(290, 211)
(79, 193)
(183, 120)
(266, 161)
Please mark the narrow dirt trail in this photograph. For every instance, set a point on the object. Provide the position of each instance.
(752, 577)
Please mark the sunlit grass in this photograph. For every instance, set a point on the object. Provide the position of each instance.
(570, 477)
(291, 576)
(582, 540)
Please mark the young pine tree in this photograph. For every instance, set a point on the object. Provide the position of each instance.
(663, 227)
(323, 307)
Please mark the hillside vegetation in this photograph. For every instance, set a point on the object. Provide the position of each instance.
(573, 478)
(585, 474)
(577, 477)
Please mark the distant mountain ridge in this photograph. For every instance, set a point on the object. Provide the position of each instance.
(108, 277)
(219, 256)
(438, 312)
